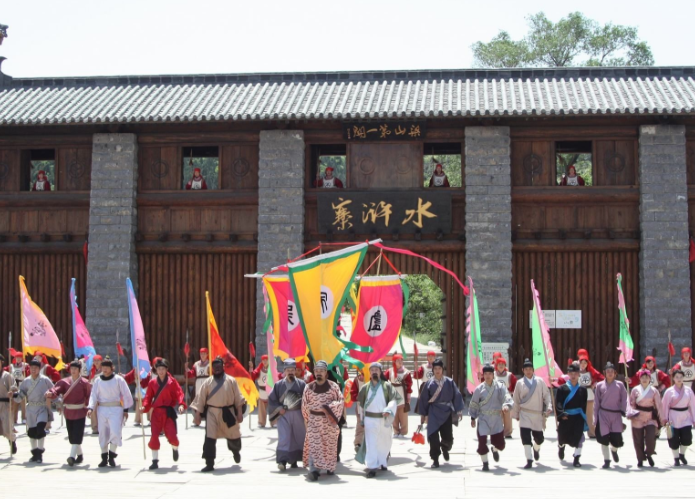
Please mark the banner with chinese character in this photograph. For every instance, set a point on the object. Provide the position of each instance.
(543, 354)
(38, 335)
(320, 286)
(379, 316)
(288, 336)
(405, 212)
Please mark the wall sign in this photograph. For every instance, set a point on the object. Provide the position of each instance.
(362, 212)
(549, 316)
(375, 131)
(490, 348)
(568, 319)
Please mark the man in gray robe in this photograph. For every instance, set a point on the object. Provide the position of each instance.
(6, 426)
(34, 389)
(284, 407)
(490, 399)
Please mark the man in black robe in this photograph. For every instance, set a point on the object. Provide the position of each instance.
(570, 402)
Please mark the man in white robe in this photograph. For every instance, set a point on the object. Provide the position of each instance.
(7, 385)
(378, 404)
(111, 395)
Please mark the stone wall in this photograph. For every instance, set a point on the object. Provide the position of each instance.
(664, 268)
(488, 227)
(112, 227)
(280, 208)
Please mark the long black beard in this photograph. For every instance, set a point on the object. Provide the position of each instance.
(291, 378)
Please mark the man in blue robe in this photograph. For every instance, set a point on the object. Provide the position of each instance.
(285, 408)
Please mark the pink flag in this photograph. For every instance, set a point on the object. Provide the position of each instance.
(543, 354)
(82, 341)
(37, 333)
(141, 360)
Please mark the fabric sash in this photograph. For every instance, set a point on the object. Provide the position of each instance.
(674, 403)
(440, 386)
(573, 392)
(642, 393)
(35, 383)
(161, 388)
(217, 388)
(531, 385)
(574, 412)
(70, 388)
(372, 393)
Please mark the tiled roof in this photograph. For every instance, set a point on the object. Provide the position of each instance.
(347, 96)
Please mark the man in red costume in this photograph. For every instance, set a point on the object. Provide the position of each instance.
(42, 183)
(164, 397)
(572, 178)
(439, 178)
(686, 365)
(402, 381)
(425, 370)
(329, 181)
(509, 381)
(660, 380)
(197, 182)
(260, 376)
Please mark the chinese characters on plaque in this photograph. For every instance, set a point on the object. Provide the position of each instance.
(383, 132)
(366, 212)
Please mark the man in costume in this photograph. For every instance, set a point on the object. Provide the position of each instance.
(355, 388)
(489, 402)
(572, 178)
(19, 370)
(7, 385)
(329, 181)
(660, 379)
(570, 402)
(402, 381)
(532, 405)
(644, 412)
(76, 391)
(678, 414)
(41, 183)
(440, 401)
(285, 406)
(34, 389)
(222, 403)
(509, 381)
(425, 371)
(588, 377)
(322, 408)
(260, 376)
(687, 366)
(110, 394)
(200, 370)
(94, 373)
(378, 402)
(609, 408)
(197, 182)
(129, 378)
(46, 369)
(439, 178)
(165, 398)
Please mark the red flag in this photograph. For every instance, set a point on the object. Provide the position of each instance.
(187, 350)
(62, 349)
(691, 257)
(671, 348)
(14, 353)
(120, 350)
(252, 350)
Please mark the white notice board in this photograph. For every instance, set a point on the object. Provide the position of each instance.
(568, 319)
(549, 316)
(490, 348)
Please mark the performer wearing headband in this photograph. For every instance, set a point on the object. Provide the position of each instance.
(489, 402)
(509, 381)
(6, 427)
(609, 408)
(678, 414)
(322, 408)
(570, 402)
(425, 371)
(402, 381)
(378, 402)
(329, 181)
(76, 391)
(260, 377)
(687, 366)
(644, 412)
(660, 379)
(285, 408)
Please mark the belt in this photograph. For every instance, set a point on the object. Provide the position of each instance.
(644, 409)
(373, 414)
(679, 409)
(37, 404)
(531, 410)
(74, 407)
(318, 413)
(4, 399)
(615, 411)
(396, 384)
(109, 404)
(491, 413)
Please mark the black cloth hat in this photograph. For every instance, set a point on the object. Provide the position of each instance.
(107, 362)
(76, 363)
(487, 368)
(438, 362)
(218, 360)
(609, 365)
(573, 367)
(162, 363)
(527, 363)
(36, 361)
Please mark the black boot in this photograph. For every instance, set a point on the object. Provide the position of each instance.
(576, 463)
(616, 458)
(312, 476)
(237, 457)
(435, 464)
(445, 454)
(71, 461)
(79, 459)
(640, 463)
(650, 460)
(13, 447)
(371, 474)
(176, 454)
(676, 462)
(682, 458)
(294, 465)
(486, 467)
(34, 456)
(112, 459)
(536, 454)
(561, 452)
(104, 459)
(495, 455)
(529, 464)
(606, 465)
(39, 455)
(155, 464)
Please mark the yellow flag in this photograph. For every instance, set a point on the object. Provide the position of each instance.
(321, 285)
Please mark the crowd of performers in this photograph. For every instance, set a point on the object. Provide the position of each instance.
(308, 409)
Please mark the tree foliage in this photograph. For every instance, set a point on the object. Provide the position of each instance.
(424, 310)
(574, 40)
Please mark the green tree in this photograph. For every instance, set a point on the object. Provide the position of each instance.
(423, 318)
(574, 40)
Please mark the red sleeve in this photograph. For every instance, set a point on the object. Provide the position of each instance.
(408, 382)
(188, 185)
(560, 381)
(580, 180)
(129, 377)
(318, 183)
(53, 374)
(446, 182)
(256, 373)
(311, 378)
(354, 390)
(417, 373)
(346, 375)
(634, 380)
(149, 395)
(664, 379)
(563, 181)
(144, 382)
(33, 187)
(57, 390)
(597, 376)
(338, 183)
(191, 373)
(512, 382)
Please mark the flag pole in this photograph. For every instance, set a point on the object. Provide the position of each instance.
(142, 415)
(185, 374)
(118, 354)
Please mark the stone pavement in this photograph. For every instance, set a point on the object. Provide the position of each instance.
(409, 474)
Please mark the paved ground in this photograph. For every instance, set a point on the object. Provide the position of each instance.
(409, 474)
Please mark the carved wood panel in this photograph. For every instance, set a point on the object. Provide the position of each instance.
(159, 168)
(615, 162)
(74, 166)
(239, 167)
(532, 163)
(9, 170)
(385, 166)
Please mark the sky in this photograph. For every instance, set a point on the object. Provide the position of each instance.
(131, 37)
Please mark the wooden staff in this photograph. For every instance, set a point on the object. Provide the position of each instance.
(185, 374)
(118, 354)
(142, 423)
(550, 388)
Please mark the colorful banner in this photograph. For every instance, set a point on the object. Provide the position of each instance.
(38, 335)
(141, 360)
(232, 366)
(474, 355)
(379, 316)
(288, 336)
(270, 341)
(543, 355)
(81, 339)
(625, 344)
(321, 285)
